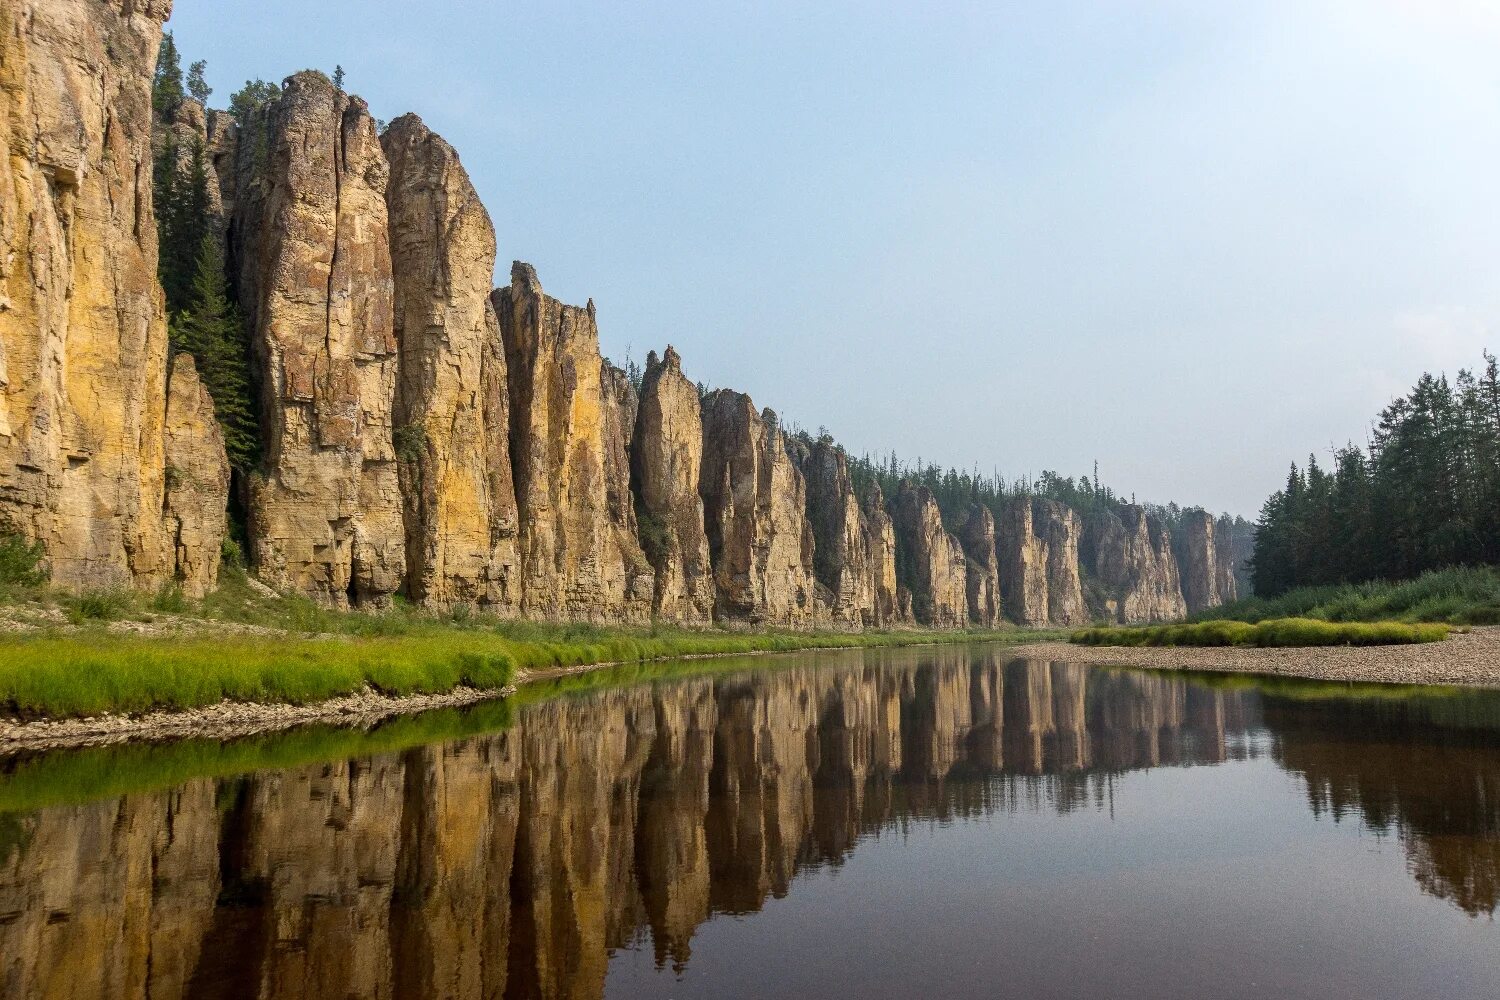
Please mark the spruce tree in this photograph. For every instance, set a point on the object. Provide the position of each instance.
(166, 86)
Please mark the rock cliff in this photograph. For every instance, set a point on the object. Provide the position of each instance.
(451, 415)
(1022, 565)
(1232, 547)
(195, 506)
(315, 283)
(755, 513)
(933, 560)
(666, 462)
(1059, 527)
(982, 587)
(1198, 561)
(850, 553)
(579, 554)
(1130, 562)
(880, 537)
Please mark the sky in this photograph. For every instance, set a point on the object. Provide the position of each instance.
(1192, 242)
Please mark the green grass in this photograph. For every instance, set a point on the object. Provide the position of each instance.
(1281, 632)
(1462, 595)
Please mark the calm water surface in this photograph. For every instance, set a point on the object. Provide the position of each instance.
(943, 822)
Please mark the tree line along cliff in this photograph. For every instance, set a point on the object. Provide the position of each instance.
(418, 431)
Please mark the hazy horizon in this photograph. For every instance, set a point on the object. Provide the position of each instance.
(1191, 244)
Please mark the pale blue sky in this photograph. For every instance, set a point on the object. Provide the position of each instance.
(1192, 240)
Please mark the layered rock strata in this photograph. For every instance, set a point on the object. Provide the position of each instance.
(1131, 564)
(666, 462)
(451, 414)
(1198, 561)
(754, 505)
(315, 282)
(849, 553)
(1059, 528)
(579, 555)
(933, 560)
(982, 576)
(880, 534)
(196, 500)
(1022, 561)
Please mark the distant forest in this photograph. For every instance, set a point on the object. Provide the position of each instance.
(1424, 494)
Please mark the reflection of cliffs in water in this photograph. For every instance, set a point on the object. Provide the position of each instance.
(1440, 796)
(510, 865)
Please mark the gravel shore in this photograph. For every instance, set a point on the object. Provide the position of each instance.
(1469, 659)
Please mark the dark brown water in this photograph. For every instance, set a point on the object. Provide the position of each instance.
(891, 824)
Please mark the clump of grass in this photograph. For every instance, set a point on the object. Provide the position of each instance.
(1280, 632)
(21, 561)
(98, 605)
(1460, 595)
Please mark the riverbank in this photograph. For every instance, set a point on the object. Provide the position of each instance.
(1469, 659)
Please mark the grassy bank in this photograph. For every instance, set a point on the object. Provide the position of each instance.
(1277, 632)
(74, 662)
(1465, 595)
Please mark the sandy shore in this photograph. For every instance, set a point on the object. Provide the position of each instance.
(1470, 659)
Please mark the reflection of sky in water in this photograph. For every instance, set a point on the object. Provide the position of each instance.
(901, 823)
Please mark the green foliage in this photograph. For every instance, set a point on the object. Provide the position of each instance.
(196, 84)
(1275, 632)
(655, 539)
(338, 77)
(166, 85)
(247, 102)
(1425, 495)
(410, 442)
(21, 561)
(1464, 595)
(98, 605)
(214, 332)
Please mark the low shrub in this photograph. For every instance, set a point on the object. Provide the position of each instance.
(1460, 595)
(1279, 632)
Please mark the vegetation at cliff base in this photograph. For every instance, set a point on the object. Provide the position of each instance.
(1461, 595)
(1276, 632)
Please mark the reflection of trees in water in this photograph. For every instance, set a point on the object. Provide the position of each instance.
(1425, 769)
(512, 864)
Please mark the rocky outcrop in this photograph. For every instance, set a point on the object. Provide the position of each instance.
(195, 504)
(83, 339)
(315, 283)
(880, 537)
(621, 409)
(666, 461)
(932, 560)
(982, 586)
(1059, 528)
(1198, 561)
(754, 507)
(1234, 544)
(850, 553)
(1128, 557)
(452, 428)
(1022, 565)
(579, 555)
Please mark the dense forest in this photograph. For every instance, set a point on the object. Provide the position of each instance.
(1424, 494)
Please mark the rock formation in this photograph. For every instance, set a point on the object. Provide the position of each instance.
(880, 538)
(982, 587)
(754, 506)
(195, 506)
(579, 555)
(1198, 561)
(666, 462)
(1233, 547)
(849, 553)
(452, 429)
(1130, 562)
(1059, 527)
(315, 283)
(1022, 565)
(933, 560)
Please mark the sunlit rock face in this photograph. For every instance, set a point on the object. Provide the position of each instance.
(1040, 583)
(580, 557)
(933, 560)
(1130, 561)
(196, 497)
(982, 577)
(755, 513)
(1233, 547)
(1198, 561)
(312, 242)
(880, 539)
(853, 558)
(83, 338)
(666, 463)
(452, 424)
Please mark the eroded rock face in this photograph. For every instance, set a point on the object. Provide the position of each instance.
(1060, 528)
(1198, 561)
(667, 459)
(579, 555)
(621, 409)
(981, 568)
(934, 560)
(197, 481)
(452, 428)
(1022, 565)
(315, 282)
(1232, 548)
(880, 538)
(754, 506)
(83, 339)
(849, 552)
(1130, 560)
